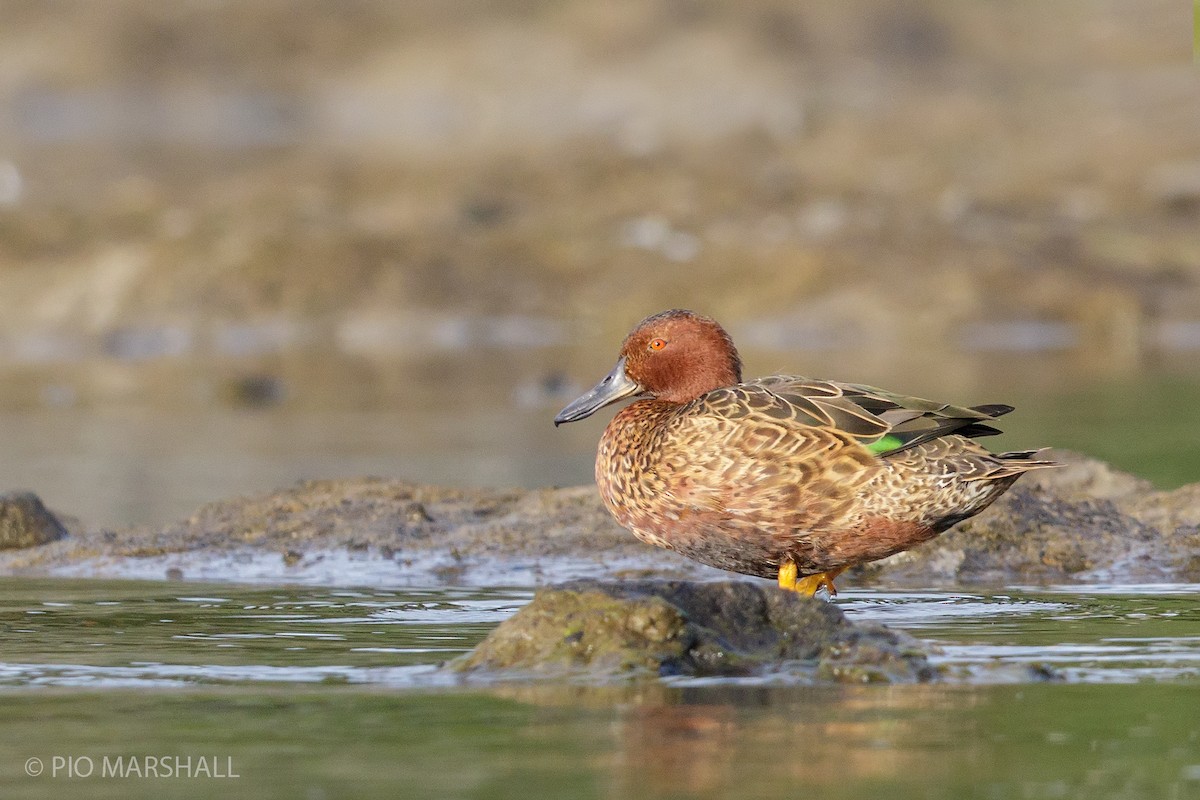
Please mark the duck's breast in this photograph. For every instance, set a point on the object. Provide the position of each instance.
(682, 477)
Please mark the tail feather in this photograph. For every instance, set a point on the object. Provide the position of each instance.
(977, 429)
(1016, 462)
(993, 410)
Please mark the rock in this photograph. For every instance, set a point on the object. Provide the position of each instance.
(1083, 478)
(1029, 535)
(735, 628)
(25, 522)
(392, 530)
(1083, 522)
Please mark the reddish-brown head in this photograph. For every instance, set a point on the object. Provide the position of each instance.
(675, 356)
(679, 355)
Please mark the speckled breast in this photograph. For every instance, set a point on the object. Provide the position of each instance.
(634, 446)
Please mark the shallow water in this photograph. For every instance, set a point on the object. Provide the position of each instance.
(319, 692)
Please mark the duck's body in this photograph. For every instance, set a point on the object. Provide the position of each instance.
(782, 476)
(745, 478)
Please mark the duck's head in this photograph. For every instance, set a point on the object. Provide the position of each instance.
(674, 356)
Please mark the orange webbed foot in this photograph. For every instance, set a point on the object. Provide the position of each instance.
(809, 585)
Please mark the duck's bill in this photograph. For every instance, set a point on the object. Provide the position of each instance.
(615, 386)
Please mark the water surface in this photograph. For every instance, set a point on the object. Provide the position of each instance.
(320, 692)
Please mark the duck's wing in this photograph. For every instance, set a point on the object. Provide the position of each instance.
(790, 455)
(884, 422)
(753, 461)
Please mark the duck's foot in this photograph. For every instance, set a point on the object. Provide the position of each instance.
(787, 576)
(809, 585)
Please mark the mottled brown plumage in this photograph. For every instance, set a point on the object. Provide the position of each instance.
(781, 476)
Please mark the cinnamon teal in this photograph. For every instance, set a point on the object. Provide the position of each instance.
(782, 477)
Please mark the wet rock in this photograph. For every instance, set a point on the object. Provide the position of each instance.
(735, 628)
(1083, 522)
(1082, 478)
(25, 522)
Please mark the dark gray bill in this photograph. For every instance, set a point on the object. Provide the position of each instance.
(615, 386)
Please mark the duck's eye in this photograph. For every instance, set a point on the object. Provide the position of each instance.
(658, 344)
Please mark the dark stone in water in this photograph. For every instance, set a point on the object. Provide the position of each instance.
(735, 628)
(25, 522)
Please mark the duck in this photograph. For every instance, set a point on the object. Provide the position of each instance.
(784, 477)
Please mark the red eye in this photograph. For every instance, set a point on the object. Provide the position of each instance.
(658, 344)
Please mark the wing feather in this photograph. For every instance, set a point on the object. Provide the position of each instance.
(885, 421)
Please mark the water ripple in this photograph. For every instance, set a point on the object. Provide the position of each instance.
(121, 634)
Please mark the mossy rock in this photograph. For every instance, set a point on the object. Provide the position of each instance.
(26, 522)
(735, 628)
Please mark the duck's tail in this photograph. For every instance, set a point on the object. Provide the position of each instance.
(1016, 462)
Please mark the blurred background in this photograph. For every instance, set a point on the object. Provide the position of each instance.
(244, 243)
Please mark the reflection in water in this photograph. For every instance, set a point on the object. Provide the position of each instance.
(762, 741)
(675, 748)
(1001, 742)
(1032, 741)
